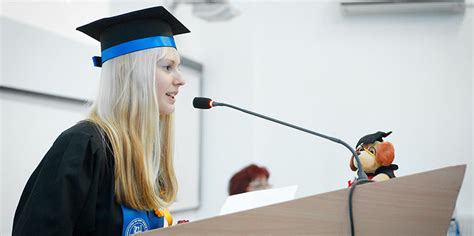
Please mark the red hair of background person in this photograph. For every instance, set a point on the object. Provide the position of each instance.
(240, 180)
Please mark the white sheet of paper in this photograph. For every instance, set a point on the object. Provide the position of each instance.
(254, 199)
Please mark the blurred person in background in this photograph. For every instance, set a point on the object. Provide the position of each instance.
(250, 178)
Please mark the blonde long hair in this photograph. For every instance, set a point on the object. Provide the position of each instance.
(126, 110)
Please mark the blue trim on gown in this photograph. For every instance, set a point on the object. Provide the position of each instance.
(139, 221)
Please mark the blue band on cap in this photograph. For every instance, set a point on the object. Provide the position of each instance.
(97, 61)
(137, 45)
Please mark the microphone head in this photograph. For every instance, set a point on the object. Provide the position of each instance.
(202, 103)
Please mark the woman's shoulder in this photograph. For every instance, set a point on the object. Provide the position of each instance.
(84, 127)
(84, 131)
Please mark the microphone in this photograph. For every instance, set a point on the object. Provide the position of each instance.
(207, 103)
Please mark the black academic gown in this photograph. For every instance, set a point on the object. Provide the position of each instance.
(71, 192)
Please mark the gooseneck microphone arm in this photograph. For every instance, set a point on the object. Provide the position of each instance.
(360, 173)
(207, 103)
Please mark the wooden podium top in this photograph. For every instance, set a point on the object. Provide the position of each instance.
(419, 204)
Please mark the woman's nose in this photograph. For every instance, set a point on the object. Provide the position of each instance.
(179, 81)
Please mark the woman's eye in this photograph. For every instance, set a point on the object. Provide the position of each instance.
(167, 68)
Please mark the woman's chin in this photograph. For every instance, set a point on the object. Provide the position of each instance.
(166, 110)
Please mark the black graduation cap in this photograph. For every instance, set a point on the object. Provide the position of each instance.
(371, 138)
(133, 31)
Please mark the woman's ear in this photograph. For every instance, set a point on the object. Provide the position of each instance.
(385, 153)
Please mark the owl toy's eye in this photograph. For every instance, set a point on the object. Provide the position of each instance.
(372, 150)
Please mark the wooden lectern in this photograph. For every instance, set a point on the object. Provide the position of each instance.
(419, 204)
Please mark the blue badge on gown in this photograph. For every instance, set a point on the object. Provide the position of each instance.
(139, 221)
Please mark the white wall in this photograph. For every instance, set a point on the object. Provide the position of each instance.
(307, 63)
(343, 75)
(46, 33)
(1, 121)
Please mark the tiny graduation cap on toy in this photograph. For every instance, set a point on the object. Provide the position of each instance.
(133, 31)
(371, 138)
